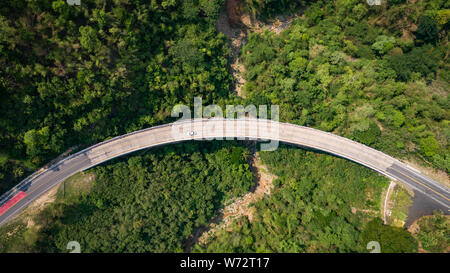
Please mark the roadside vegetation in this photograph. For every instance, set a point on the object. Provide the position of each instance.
(399, 202)
(434, 233)
(378, 75)
(323, 206)
(77, 75)
(143, 203)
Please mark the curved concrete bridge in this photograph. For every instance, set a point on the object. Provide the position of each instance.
(206, 129)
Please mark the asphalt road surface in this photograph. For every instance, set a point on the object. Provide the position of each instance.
(265, 131)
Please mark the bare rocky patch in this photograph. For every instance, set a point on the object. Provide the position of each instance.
(236, 38)
(241, 206)
(236, 25)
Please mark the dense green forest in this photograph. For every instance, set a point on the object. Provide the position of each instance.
(319, 207)
(362, 72)
(350, 68)
(76, 75)
(144, 203)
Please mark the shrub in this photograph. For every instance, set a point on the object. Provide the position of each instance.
(424, 60)
(368, 136)
(364, 51)
(427, 31)
(391, 239)
(429, 146)
(383, 44)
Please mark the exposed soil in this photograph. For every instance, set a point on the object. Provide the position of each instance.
(439, 87)
(227, 24)
(241, 206)
(379, 125)
(407, 36)
(236, 25)
(37, 206)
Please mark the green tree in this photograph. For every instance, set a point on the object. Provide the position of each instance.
(434, 232)
(427, 31)
(383, 44)
(391, 239)
(37, 141)
(429, 146)
(398, 119)
(89, 39)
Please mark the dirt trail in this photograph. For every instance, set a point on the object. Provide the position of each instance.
(240, 206)
(236, 38)
(236, 25)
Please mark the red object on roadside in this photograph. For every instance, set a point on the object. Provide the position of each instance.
(11, 202)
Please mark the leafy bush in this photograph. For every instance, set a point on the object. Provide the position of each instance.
(434, 232)
(391, 239)
(383, 44)
(368, 136)
(427, 31)
(423, 60)
(364, 52)
(429, 146)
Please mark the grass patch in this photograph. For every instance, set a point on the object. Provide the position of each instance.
(18, 237)
(75, 187)
(400, 202)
